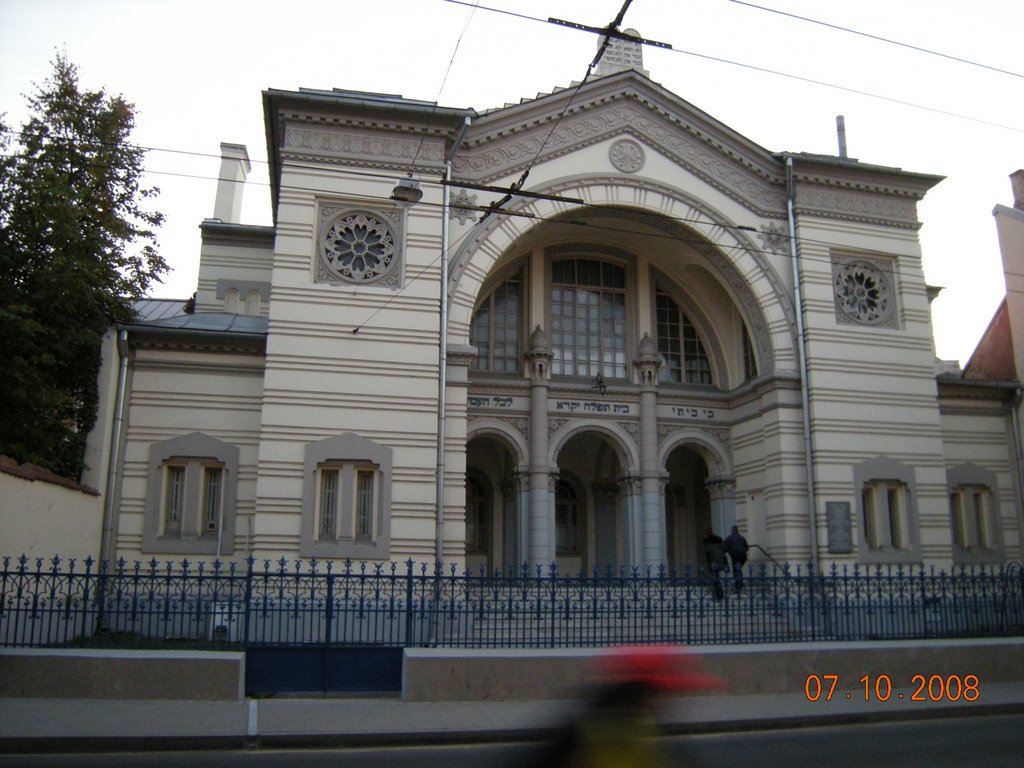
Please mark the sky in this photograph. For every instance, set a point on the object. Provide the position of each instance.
(195, 72)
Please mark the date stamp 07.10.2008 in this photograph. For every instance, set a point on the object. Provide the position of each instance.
(881, 688)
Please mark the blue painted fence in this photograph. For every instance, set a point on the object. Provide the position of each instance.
(286, 604)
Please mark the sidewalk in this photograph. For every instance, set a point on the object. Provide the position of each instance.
(36, 725)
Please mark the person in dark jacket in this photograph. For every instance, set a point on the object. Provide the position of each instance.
(714, 553)
(736, 546)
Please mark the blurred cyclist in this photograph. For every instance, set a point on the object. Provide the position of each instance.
(618, 726)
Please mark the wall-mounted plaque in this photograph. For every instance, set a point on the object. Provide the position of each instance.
(840, 527)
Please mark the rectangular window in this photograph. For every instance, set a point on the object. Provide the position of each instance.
(212, 495)
(971, 507)
(329, 480)
(588, 319)
(174, 499)
(683, 358)
(364, 503)
(982, 517)
(495, 329)
(961, 530)
(886, 507)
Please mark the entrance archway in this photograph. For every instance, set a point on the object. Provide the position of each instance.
(687, 507)
(589, 521)
(493, 519)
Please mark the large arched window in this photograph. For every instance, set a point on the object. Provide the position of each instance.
(588, 318)
(495, 329)
(683, 356)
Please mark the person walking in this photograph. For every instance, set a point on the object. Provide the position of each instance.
(736, 546)
(714, 553)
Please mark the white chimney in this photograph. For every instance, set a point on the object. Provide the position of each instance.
(1017, 182)
(234, 167)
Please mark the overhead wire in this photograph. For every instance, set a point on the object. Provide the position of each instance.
(791, 76)
(879, 38)
(556, 219)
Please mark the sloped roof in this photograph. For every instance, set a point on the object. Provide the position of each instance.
(992, 359)
(158, 309)
(221, 323)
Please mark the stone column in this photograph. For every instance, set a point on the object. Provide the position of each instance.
(632, 544)
(540, 540)
(653, 546)
(723, 504)
(516, 523)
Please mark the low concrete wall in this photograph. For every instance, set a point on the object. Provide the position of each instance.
(442, 674)
(47, 673)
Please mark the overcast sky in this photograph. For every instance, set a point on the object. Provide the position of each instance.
(195, 71)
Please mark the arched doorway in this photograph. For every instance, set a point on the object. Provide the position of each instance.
(492, 523)
(687, 507)
(589, 519)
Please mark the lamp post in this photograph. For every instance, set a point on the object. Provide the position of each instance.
(408, 191)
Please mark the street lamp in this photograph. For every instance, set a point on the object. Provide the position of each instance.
(407, 190)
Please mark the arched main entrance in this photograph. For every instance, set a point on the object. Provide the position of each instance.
(493, 520)
(588, 508)
(687, 507)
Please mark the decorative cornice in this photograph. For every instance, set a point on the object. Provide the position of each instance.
(745, 179)
(359, 147)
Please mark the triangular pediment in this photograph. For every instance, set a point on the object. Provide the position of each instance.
(506, 141)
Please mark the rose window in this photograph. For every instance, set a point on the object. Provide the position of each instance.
(358, 248)
(862, 293)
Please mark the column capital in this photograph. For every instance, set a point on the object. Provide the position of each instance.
(539, 356)
(721, 487)
(631, 485)
(648, 362)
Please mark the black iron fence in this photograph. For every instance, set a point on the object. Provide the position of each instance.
(52, 603)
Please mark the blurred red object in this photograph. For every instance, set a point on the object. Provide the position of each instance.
(668, 668)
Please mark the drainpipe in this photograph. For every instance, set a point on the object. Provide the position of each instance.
(442, 373)
(805, 395)
(1018, 450)
(113, 469)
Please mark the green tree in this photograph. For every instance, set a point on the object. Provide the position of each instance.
(77, 249)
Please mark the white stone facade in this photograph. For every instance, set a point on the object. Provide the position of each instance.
(622, 374)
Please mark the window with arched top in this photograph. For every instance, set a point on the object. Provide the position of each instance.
(684, 360)
(588, 318)
(495, 329)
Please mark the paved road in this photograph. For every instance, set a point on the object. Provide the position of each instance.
(995, 741)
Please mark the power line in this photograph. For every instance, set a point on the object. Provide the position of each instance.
(779, 73)
(444, 80)
(890, 41)
(556, 219)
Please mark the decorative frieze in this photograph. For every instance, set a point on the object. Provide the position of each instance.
(363, 147)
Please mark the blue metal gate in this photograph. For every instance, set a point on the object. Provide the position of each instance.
(327, 669)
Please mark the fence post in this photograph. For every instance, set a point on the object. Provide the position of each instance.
(248, 601)
(328, 620)
(409, 614)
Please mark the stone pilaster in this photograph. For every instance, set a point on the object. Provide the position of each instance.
(540, 549)
(653, 548)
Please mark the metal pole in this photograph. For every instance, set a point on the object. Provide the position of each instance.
(442, 372)
(805, 394)
(106, 539)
